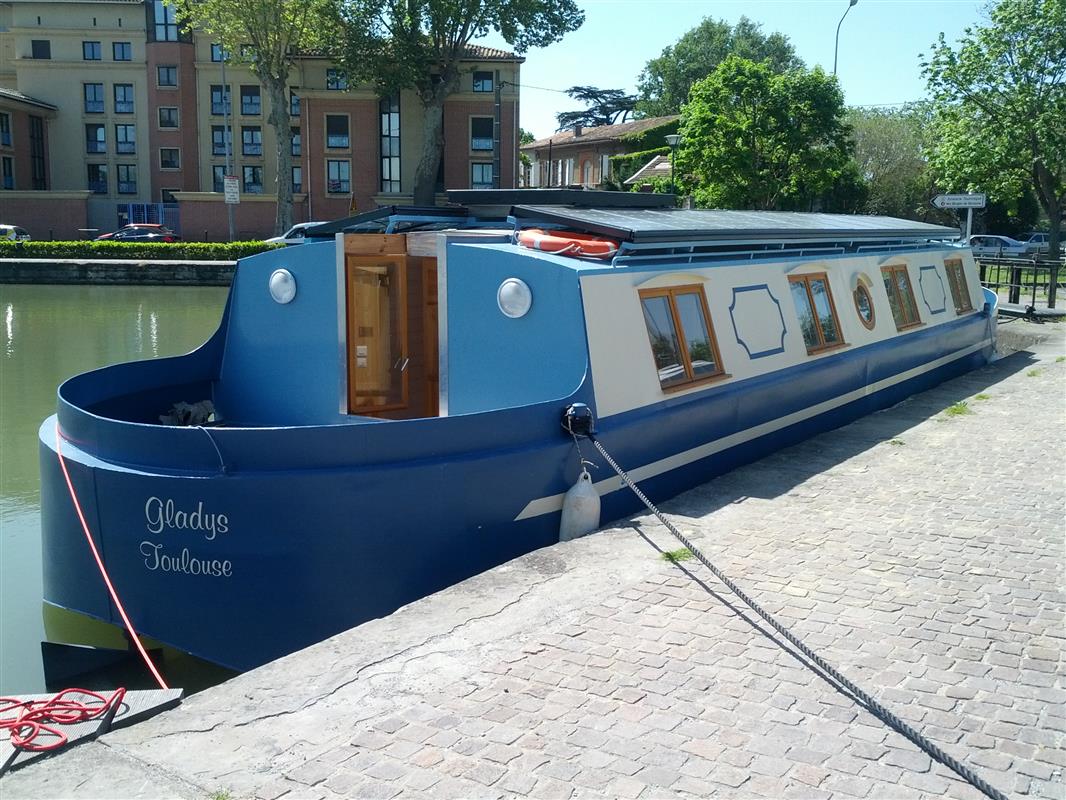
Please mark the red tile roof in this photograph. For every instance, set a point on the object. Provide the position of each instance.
(604, 133)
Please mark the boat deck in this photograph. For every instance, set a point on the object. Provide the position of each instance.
(908, 549)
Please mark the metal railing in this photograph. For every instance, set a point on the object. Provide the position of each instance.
(1037, 281)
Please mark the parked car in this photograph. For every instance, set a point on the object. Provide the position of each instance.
(997, 246)
(294, 235)
(1037, 242)
(13, 233)
(141, 232)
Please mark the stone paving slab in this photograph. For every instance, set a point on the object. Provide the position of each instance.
(919, 552)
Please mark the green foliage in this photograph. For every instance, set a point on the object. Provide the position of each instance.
(650, 138)
(420, 44)
(178, 251)
(623, 167)
(525, 137)
(888, 147)
(1000, 102)
(958, 409)
(675, 556)
(752, 138)
(603, 107)
(1033, 373)
(982, 396)
(665, 82)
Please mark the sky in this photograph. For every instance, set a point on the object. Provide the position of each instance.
(878, 63)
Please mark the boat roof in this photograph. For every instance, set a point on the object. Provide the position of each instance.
(392, 219)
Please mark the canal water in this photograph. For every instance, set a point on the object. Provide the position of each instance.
(48, 333)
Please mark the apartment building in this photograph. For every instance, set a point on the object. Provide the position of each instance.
(132, 116)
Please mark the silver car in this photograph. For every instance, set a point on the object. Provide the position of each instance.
(13, 233)
(997, 246)
(294, 235)
(1037, 242)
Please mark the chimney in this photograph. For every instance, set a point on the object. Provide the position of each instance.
(577, 129)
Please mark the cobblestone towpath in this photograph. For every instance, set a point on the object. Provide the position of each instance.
(920, 550)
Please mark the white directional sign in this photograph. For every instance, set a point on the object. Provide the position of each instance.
(959, 201)
(232, 189)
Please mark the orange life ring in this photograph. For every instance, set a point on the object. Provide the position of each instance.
(567, 243)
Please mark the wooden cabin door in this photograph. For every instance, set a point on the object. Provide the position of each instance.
(377, 334)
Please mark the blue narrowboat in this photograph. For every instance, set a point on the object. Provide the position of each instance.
(378, 414)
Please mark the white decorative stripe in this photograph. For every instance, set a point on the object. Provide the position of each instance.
(546, 505)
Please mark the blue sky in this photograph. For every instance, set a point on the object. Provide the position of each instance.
(880, 42)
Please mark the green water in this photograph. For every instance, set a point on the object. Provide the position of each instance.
(48, 333)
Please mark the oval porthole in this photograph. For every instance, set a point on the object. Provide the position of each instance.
(514, 298)
(864, 304)
(282, 286)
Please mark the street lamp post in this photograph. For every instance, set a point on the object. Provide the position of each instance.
(836, 44)
(673, 140)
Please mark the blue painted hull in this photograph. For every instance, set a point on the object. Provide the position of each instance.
(276, 538)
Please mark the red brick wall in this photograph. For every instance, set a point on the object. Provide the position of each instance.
(457, 153)
(206, 220)
(363, 154)
(183, 56)
(45, 217)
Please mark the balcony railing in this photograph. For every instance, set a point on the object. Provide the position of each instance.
(479, 143)
(127, 187)
(126, 147)
(123, 107)
(252, 149)
(94, 106)
(337, 140)
(95, 147)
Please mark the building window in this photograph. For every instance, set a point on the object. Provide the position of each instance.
(5, 130)
(94, 98)
(95, 139)
(168, 117)
(336, 80)
(338, 177)
(123, 98)
(389, 108)
(90, 51)
(337, 131)
(166, 75)
(127, 178)
(97, 178)
(960, 291)
(297, 179)
(251, 104)
(900, 296)
(217, 55)
(219, 139)
(38, 169)
(483, 82)
(294, 104)
(169, 158)
(253, 180)
(864, 305)
(8, 165)
(816, 311)
(125, 139)
(164, 22)
(481, 133)
(40, 48)
(297, 144)
(122, 51)
(251, 140)
(481, 176)
(220, 99)
(681, 335)
(218, 178)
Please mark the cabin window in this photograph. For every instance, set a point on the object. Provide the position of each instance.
(900, 296)
(864, 304)
(960, 292)
(681, 335)
(816, 311)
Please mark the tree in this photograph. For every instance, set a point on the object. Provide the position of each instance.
(1000, 106)
(605, 107)
(665, 81)
(267, 35)
(888, 147)
(419, 44)
(751, 138)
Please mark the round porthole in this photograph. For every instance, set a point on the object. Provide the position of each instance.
(514, 298)
(282, 286)
(864, 304)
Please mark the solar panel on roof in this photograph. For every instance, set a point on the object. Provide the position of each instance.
(673, 225)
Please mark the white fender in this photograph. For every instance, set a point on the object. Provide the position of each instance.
(581, 509)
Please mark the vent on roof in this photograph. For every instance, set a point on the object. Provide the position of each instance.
(577, 129)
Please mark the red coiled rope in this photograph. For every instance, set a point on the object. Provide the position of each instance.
(103, 570)
(27, 720)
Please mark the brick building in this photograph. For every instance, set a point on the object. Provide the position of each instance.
(130, 125)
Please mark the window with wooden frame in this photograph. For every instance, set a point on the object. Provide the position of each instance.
(816, 311)
(901, 296)
(960, 291)
(681, 335)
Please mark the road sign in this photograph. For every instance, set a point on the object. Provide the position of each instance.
(232, 189)
(959, 201)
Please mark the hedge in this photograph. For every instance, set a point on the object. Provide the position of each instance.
(177, 251)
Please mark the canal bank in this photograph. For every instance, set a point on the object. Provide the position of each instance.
(919, 550)
(128, 272)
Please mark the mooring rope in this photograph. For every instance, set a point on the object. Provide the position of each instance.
(871, 704)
